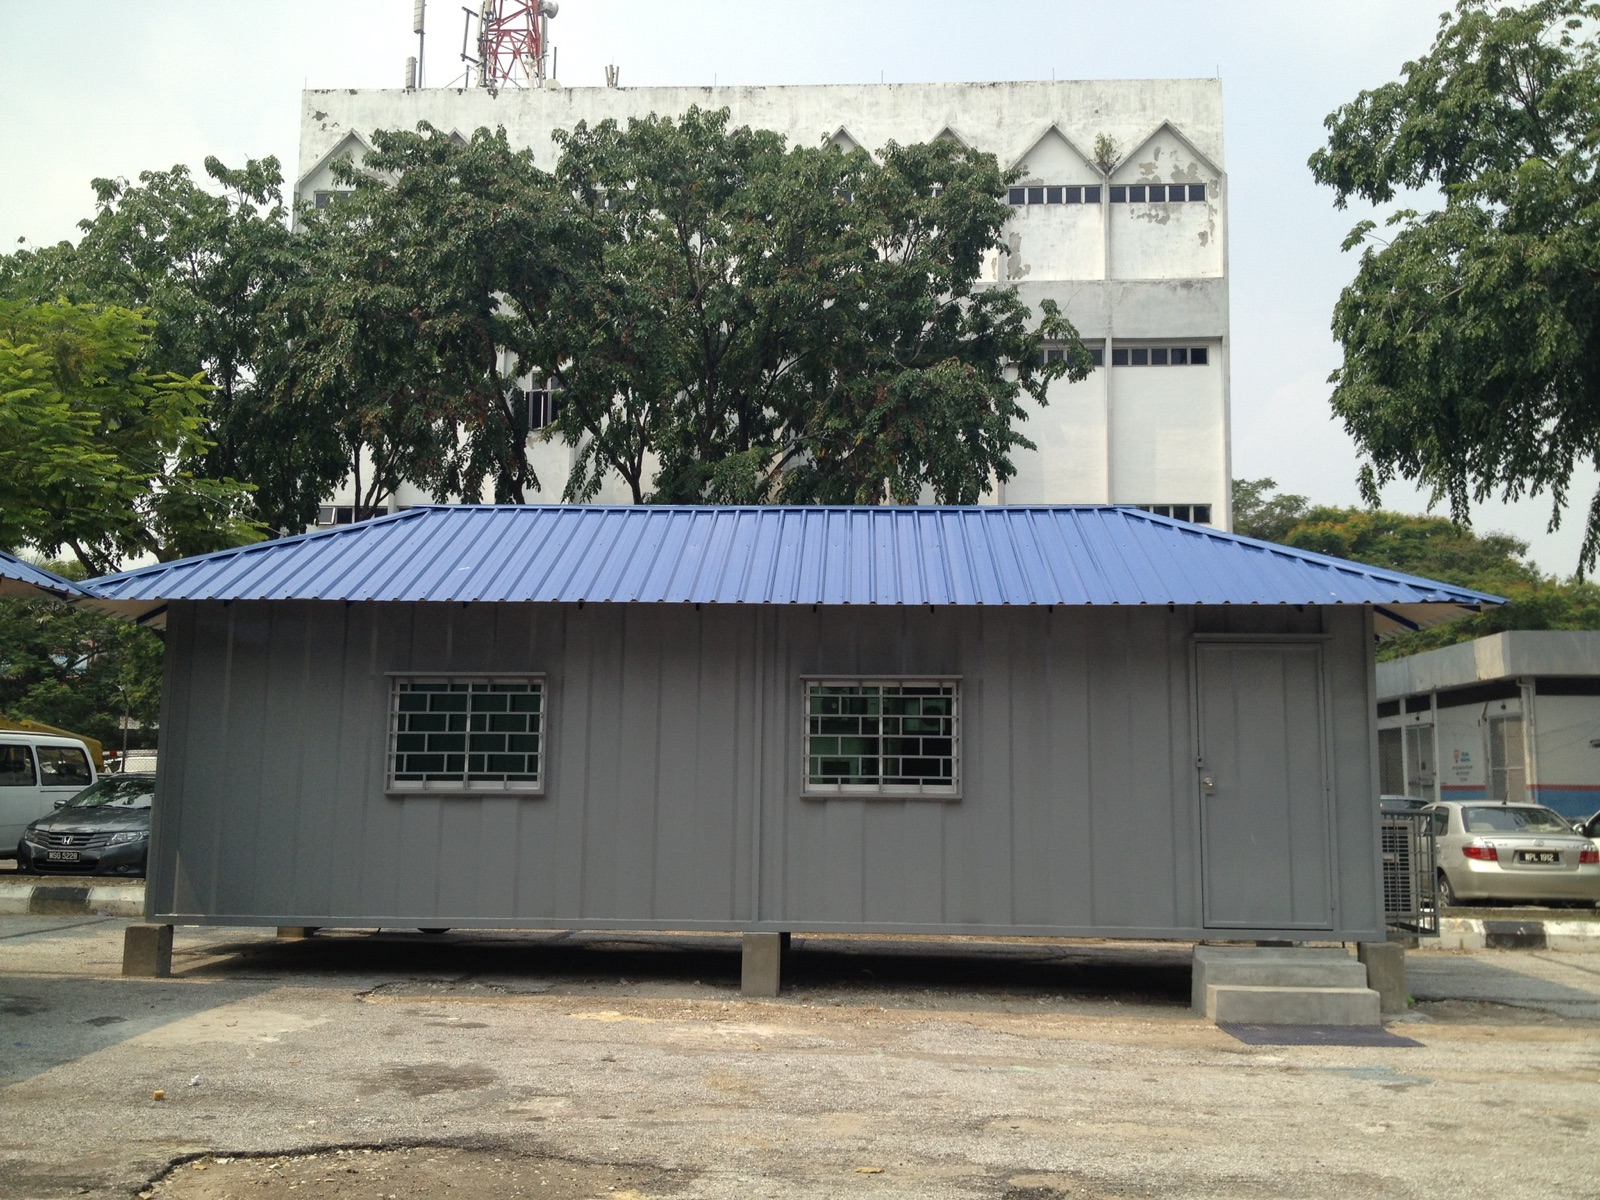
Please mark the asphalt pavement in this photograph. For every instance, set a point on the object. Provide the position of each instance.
(567, 1065)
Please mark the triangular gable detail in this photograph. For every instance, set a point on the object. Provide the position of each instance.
(1072, 147)
(948, 133)
(1177, 134)
(352, 144)
(845, 140)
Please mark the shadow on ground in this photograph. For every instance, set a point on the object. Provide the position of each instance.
(664, 963)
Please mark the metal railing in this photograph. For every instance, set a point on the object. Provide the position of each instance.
(1409, 874)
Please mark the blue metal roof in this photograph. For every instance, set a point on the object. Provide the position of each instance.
(644, 554)
(21, 579)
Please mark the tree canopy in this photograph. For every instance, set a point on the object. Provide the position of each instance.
(1433, 547)
(728, 319)
(792, 324)
(81, 670)
(209, 267)
(1471, 332)
(96, 450)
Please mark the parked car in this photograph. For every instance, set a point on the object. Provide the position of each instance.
(103, 830)
(1591, 827)
(37, 772)
(1511, 852)
(1400, 804)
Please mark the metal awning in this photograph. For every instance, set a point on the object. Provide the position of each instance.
(23, 580)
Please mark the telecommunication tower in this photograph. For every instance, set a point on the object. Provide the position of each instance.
(513, 42)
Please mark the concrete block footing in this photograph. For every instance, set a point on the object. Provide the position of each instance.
(761, 964)
(1275, 966)
(147, 951)
(1246, 1005)
(1386, 973)
(1293, 985)
(296, 933)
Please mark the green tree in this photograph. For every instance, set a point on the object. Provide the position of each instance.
(94, 448)
(1435, 548)
(425, 295)
(1258, 513)
(210, 265)
(790, 324)
(77, 669)
(1471, 336)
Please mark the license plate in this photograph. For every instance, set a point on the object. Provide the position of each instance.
(62, 855)
(1539, 856)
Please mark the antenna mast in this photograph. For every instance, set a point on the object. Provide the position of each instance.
(513, 42)
(418, 24)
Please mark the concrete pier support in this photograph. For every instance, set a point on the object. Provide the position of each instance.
(761, 966)
(147, 951)
(1386, 973)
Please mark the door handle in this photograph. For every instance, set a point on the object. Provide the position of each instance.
(1208, 783)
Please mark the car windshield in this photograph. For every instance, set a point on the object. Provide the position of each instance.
(1513, 820)
(126, 792)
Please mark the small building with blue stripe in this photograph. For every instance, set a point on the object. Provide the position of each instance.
(1511, 717)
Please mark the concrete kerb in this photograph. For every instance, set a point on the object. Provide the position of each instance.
(1487, 933)
(33, 895)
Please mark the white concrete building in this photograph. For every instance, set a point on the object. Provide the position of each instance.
(1135, 252)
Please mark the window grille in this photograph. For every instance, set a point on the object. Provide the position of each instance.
(466, 733)
(890, 737)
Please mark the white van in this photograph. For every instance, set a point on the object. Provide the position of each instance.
(37, 772)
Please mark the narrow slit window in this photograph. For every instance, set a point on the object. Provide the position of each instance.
(1119, 194)
(1036, 195)
(1052, 195)
(1197, 191)
(1018, 196)
(1091, 195)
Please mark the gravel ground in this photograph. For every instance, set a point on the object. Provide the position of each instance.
(566, 1066)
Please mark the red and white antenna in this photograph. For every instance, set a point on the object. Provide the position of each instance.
(513, 42)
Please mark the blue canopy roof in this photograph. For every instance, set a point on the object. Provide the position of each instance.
(786, 556)
(18, 578)
(647, 554)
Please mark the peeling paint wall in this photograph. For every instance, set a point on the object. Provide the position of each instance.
(1167, 240)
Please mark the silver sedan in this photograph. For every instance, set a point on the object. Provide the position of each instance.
(1511, 852)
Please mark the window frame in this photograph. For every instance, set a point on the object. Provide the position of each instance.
(47, 758)
(26, 752)
(464, 786)
(943, 793)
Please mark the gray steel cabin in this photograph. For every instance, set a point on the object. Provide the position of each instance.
(1001, 720)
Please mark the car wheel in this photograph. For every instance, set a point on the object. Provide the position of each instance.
(1447, 894)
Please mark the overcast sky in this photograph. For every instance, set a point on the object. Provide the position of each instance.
(106, 88)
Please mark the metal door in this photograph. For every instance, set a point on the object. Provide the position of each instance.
(1263, 767)
(1419, 762)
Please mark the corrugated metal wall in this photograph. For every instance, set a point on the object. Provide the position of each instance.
(667, 725)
